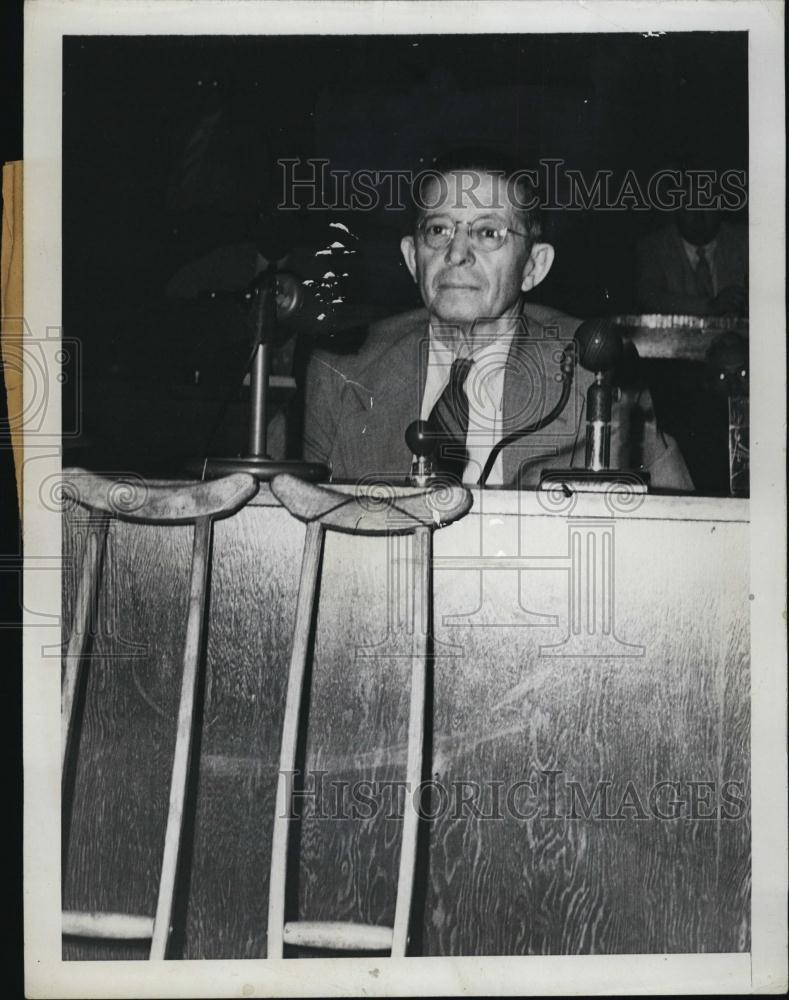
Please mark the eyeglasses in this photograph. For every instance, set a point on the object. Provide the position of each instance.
(438, 233)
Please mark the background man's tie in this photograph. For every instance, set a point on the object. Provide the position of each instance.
(449, 420)
(703, 274)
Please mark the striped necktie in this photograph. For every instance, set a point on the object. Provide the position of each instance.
(449, 421)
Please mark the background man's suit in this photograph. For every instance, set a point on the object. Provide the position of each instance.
(665, 280)
(359, 406)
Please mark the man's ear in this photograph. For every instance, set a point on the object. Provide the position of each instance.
(408, 250)
(537, 266)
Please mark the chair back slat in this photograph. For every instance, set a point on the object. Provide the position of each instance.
(84, 600)
(379, 510)
(150, 501)
(182, 757)
(135, 499)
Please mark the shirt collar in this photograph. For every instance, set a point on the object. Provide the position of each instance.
(489, 356)
(693, 251)
(494, 340)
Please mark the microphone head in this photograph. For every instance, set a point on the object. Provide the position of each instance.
(290, 294)
(420, 438)
(599, 344)
(727, 365)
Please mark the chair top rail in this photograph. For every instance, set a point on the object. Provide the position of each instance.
(378, 509)
(130, 497)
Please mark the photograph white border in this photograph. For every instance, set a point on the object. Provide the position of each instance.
(763, 970)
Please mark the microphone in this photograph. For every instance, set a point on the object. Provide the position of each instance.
(421, 441)
(275, 294)
(291, 296)
(421, 438)
(282, 307)
(299, 307)
(726, 370)
(726, 374)
(599, 347)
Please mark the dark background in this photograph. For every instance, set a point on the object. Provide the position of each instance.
(170, 187)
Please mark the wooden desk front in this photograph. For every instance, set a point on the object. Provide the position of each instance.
(590, 730)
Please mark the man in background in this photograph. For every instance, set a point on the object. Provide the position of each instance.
(697, 265)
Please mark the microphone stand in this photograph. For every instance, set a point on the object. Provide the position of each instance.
(256, 462)
(599, 349)
(727, 373)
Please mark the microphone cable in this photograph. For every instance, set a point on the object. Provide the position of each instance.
(568, 369)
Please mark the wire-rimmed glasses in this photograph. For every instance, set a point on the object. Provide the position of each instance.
(483, 234)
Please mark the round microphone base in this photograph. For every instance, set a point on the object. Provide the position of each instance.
(263, 469)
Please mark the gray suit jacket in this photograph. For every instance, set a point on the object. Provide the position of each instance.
(665, 280)
(359, 406)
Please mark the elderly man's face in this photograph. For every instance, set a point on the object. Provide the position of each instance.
(461, 284)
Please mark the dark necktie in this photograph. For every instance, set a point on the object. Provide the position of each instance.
(449, 421)
(703, 275)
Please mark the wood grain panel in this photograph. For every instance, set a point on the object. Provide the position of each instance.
(128, 730)
(253, 600)
(504, 710)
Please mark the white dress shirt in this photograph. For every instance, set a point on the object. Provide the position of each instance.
(484, 388)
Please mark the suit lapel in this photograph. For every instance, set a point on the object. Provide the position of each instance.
(383, 399)
(385, 396)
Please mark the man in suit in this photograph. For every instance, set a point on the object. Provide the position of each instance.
(698, 266)
(476, 347)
